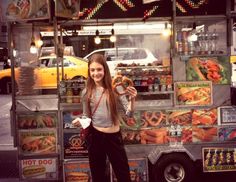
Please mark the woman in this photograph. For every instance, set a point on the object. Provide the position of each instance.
(101, 104)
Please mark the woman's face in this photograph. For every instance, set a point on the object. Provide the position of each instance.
(97, 73)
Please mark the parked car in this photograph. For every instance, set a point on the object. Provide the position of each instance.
(46, 73)
(119, 55)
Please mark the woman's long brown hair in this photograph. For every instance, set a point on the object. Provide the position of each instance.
(112, 98)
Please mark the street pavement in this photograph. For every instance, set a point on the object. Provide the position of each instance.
(9, 170)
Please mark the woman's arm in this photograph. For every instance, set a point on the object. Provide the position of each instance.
(127, 105)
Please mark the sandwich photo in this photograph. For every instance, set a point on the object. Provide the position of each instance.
(208, 68)
(180, 117)
(194, 93)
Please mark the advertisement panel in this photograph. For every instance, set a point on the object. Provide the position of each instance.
(37, 142)
(215, 69)
(45, 168)
(77, 171)
(39, 120)
(74, 146)
(69, 116)
(219, 159)
(22, 10)
(197, 93)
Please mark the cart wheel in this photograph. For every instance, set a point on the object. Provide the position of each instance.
(174, 168)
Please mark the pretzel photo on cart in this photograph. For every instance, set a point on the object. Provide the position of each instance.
(122, 81)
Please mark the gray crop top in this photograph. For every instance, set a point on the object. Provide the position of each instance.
(102, 118)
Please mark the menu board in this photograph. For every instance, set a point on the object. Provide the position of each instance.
(227, 115)
(37, 142)
(74, 146)
(215, 69)
(197, 93)
(45, 168)
(21, 10)
(219, 159)
(75, 171)
(138, 170)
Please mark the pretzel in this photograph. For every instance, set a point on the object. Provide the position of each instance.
(123, 81)
(153, 118)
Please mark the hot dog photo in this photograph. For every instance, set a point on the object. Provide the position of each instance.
(45, 168)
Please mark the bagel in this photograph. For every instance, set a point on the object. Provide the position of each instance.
(123, 81)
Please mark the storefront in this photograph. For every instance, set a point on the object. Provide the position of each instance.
(183, 110)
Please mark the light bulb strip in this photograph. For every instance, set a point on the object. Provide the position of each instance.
(129, 3)
(120, 5)
(148, 13)
(93, 11)
(195, 5)
(181, 8)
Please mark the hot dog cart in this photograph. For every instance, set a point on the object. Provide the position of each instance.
(183, 114)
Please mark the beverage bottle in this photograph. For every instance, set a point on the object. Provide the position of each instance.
(69, 95)
(76, 91)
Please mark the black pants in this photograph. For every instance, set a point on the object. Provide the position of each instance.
(102, 145)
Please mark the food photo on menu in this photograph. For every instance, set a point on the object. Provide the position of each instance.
(44, 168)
(32, 121)
(198, 93)
(130, 122)
(77, 171)
(25, 9)
(204, 117)
(131, 136)
(37, 142)
(179, 117)
(154, 135)
(153, 118)
(204, 134)
(187, 135)
(215, 69)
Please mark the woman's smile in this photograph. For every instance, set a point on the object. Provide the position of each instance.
(96, 72)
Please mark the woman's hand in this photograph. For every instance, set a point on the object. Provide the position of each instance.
(76, 122)
(132, 92)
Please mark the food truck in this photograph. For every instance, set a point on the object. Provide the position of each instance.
(184, 118)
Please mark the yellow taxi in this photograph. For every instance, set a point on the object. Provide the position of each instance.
(45, 74)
